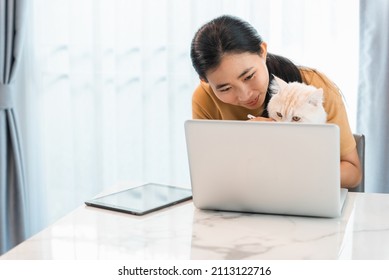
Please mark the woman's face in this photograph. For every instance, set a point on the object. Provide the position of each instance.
(241, 79)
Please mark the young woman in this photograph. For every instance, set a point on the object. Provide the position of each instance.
(235, 71)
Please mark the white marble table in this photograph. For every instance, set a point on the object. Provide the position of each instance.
(183, 232)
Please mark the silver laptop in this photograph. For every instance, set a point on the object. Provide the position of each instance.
(265, 167)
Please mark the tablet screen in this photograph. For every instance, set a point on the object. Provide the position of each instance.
(142, 199)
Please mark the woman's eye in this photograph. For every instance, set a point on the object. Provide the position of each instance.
(279, 114)
(296, 119)
(224, 89)
(249, 77)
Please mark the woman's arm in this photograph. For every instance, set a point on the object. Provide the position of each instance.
(350, 170)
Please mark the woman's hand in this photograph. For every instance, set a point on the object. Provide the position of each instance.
(259, 119)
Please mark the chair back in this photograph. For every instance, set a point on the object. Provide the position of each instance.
(360, 140)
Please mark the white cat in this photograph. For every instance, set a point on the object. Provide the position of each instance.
(296, 102)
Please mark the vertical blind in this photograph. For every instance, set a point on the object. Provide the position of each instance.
(108, 85)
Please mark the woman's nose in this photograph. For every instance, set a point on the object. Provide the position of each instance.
(244, 94)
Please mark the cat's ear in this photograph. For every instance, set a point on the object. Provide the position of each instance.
(316, 98)
(277, 84)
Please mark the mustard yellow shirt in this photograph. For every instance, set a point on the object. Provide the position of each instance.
(205, 105)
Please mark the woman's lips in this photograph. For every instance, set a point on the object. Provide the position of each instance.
(253, 102)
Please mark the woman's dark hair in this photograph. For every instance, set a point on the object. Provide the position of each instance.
(225, 34)
(229, 34)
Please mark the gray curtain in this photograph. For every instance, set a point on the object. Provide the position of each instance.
(12, 182)
(373, 99)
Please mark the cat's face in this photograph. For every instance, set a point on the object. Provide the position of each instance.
(296, 102)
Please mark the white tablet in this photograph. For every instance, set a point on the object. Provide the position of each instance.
(142, 199)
